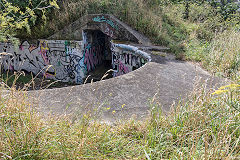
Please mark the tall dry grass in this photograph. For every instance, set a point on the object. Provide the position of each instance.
(224, 54)
(220, 56)
(144, 16)
(206, 126)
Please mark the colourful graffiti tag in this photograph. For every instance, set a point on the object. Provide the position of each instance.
(126, 59)
(93, 56)
(103, 19)
(43, 51)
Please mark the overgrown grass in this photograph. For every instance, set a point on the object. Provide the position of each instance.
(196, 38)
(206, 126)
(220, 56)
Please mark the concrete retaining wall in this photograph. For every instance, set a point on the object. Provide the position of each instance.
(59, 60)
(126, 58)
(69, 61)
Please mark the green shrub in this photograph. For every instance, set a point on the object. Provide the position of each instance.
(20, 16)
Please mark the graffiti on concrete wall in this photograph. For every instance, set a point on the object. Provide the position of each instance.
(108, 29)
(26, 58)
(71, 61)
(60, 60)
(94, 49)
(93, 56)
(126, 58)
(67, 61)
(103, 19)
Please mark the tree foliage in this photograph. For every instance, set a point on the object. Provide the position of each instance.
(225, 7)
(16, 15)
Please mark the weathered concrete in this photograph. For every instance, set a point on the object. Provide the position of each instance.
(53, 59)
(166, 79)
(108, 24)
(72, 61)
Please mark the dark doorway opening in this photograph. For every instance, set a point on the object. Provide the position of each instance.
(98, 43)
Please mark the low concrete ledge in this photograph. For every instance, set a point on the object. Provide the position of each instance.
(135, 50)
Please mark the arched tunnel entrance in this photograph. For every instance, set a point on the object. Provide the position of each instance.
(97, 51)
(85, 56)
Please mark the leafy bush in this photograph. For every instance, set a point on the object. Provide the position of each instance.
(18, 15)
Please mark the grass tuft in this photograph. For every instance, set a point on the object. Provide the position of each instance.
(206, 126)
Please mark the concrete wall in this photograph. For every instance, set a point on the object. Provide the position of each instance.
(71, 61)
(95, 48)
(126, 58)
(108, 24)
(67, 61)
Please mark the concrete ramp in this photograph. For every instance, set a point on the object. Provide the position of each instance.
(108, 24)
(165, 79)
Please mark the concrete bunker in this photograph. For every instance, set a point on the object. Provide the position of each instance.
(73, 61)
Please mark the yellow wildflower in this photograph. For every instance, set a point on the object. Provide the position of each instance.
(226, 88)
(231, 86)
(219, 92)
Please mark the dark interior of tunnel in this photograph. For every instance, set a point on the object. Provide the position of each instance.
(103, 70)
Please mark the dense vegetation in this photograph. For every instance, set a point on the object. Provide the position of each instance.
(205, 126)
(190, 28)
(19, 16)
